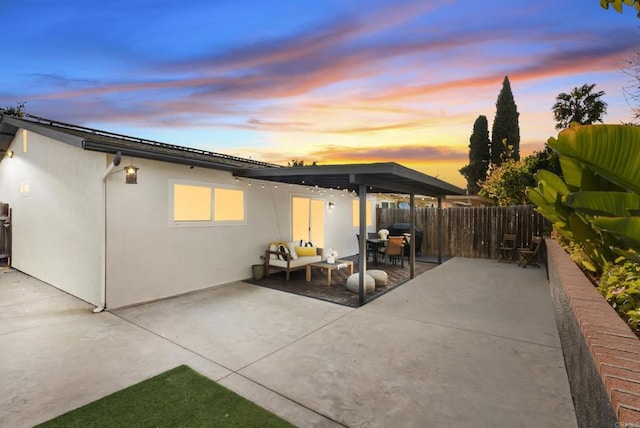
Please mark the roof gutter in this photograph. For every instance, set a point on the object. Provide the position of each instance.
(176, 158)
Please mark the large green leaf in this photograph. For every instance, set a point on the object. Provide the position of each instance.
(627, 229)
(550, 209)
(571, 171)
(613, 204)
(613, 151)
(553, 184)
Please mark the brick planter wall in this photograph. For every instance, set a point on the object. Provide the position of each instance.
(601, 353)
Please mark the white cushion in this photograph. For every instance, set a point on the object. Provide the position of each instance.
(300, 261)
(292, 249)
(353, 283)
(379, 276)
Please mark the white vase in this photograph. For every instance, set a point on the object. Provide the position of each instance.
(331, 259)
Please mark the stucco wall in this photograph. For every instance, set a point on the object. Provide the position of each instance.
(56, 224)
(147, 259)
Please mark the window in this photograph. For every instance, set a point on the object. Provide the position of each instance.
(202, 204)
(191, 203)
(356, 213)
(228, 205)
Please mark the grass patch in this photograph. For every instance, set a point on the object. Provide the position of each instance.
(179, 397)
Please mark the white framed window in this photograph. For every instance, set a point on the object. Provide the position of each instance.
(190, 203)
(229, 205)
(193, 203)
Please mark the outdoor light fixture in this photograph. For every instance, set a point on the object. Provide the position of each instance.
(10, 153)
(331, 205)
(131, 174)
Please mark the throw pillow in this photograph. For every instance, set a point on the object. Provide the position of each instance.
(292, 250)
(273, 247)
(282, 248)
(306, 251)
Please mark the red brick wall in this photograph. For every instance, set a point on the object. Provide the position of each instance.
(612, 346)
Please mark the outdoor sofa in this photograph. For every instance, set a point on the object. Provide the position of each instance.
(290, 256)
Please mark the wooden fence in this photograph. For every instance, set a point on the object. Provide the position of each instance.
(473, 232)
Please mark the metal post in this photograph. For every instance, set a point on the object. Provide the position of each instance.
(362, 298)
(412, 232)
(439, 230)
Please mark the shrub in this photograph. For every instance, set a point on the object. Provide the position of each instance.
(620, 285)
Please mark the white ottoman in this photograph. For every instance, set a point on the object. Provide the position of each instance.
(353, 283)
(379, 276)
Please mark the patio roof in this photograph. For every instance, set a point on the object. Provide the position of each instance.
(387, 177)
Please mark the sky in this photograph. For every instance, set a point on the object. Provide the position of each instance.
(330, 81)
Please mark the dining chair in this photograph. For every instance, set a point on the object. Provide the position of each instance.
(393, 250)
(370, 249)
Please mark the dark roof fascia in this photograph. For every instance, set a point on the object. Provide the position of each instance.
(111, 143)
(388, 177)
(42, 130)
(143, 153)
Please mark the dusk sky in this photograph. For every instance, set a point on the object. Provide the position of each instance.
(332, 81)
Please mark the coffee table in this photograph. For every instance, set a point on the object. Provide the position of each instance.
(329, 267)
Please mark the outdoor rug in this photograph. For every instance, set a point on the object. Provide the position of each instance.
(337, 293)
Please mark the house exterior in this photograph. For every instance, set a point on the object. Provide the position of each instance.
(187, 224)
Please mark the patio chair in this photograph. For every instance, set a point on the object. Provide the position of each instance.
(529, 255)
(370, 249)
(507, 248)
(393, 250)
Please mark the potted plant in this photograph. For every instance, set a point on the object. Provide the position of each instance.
(332, 255)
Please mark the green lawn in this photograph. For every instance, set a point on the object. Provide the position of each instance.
(179, 397)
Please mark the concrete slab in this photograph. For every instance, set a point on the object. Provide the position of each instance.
(470, 343)
(16, 287)
(481, 296)
(285, 408)
(235, 324)
(59, 356)
(376, 370)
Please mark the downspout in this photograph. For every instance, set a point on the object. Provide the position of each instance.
(103, 237)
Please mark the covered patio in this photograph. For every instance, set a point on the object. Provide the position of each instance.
(361, 179)
(336, 292)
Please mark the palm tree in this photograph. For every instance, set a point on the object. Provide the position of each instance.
(581, 105)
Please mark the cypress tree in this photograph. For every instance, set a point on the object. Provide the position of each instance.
(479, 155)
(505, 135)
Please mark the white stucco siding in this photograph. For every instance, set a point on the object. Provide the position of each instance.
(148, 259)
(57, 217)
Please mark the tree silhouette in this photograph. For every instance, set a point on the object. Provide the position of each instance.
(582, 105)
(479, 156)
(505, 134)
(17, 111)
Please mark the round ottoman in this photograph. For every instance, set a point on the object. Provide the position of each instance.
(379, 276)
(353, 283)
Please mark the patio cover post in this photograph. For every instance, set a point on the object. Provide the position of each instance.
(439, 230)
(412, 233)
(362, 298)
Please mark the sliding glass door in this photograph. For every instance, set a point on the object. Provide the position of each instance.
(308, 219)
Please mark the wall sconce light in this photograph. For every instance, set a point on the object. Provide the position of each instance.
(331, 205)
(131, 174)
(10, 154)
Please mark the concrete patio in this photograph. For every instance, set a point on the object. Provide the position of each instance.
(469, 343)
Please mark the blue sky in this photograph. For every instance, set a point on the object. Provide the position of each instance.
(332, 81)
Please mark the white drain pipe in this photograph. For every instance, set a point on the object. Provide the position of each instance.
(103, 238)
